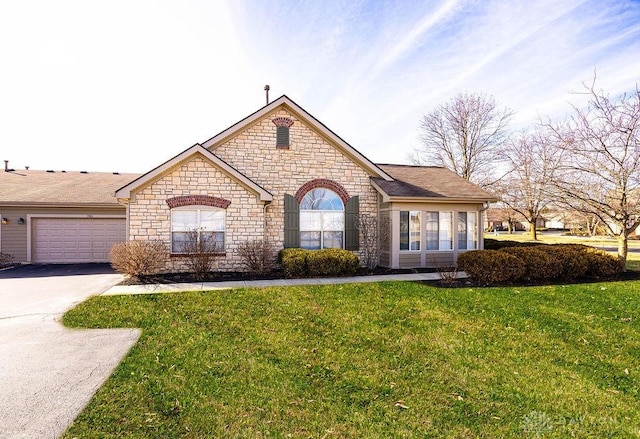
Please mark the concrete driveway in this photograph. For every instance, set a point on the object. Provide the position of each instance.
(48, 373)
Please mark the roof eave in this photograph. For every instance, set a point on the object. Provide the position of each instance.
(114, 204)
(447, 200)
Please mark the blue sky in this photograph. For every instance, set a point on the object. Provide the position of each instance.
(125, 85)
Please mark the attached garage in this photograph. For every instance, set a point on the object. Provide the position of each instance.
(73, 240)
(61, 217)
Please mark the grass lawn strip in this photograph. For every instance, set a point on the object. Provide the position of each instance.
(374, 360)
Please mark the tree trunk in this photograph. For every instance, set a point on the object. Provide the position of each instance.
(534, 232)
(623, 246)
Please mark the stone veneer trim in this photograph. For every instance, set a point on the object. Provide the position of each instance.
(323, 183)
(198, 200)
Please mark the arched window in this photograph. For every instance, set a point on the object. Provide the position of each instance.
(321, 220)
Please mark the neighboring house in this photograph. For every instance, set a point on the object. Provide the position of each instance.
(282, 176)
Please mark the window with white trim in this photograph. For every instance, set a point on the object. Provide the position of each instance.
(445, 232)
(467, 230)
(321, 220)
(410, 236)
(432, 223)
(193, 226)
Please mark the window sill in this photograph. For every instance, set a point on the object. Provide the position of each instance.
(282, 146)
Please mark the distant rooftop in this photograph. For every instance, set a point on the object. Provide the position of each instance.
(20, 187)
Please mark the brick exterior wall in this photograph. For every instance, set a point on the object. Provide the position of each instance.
(285, 171)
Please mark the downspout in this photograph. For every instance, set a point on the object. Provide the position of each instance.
(264, 221)
(485, 206)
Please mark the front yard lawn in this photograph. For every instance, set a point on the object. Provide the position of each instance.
(372, 360)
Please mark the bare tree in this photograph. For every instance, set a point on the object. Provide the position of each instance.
(533, 161)
(466, 135)
(374, 233)
(601, 168)
(201, 251)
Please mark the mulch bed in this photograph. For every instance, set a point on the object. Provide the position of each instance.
(225, 276)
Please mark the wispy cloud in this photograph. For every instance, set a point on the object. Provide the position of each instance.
(89, 83)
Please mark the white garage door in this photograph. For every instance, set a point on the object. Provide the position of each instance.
(69, 240)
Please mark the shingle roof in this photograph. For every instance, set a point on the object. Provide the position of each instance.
(42, 187)
(428, 182)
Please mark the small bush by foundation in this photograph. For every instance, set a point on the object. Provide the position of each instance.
(297, 262)
(257, 256)
(138, 258)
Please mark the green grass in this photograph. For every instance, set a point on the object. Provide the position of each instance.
(387, 360)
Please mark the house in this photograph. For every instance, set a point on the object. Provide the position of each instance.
(282, 176)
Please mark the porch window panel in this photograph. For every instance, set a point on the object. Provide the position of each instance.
(445, 232)
(404, 230)
(432, 222)
(472, 230)
(414, 232)
(462, 230)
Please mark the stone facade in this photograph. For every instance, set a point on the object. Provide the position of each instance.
(310, 159)
(310, 156)
(150, 214)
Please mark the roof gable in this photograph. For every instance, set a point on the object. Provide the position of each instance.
(149, 177)
(308, 120)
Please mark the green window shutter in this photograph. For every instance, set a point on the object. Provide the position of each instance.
(351, 230)
(291, 222)
(282, 136)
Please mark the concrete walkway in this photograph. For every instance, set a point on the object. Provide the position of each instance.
(209, 286)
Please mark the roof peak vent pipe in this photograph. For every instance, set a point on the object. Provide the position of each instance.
(266, 89)
(6, 166)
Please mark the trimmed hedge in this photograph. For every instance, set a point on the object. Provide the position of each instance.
(491, 266)
(537, 262)
(558, 262)
(298, 262)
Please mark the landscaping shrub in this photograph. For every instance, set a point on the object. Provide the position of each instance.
(538, 264)
(138, 258)
(489, 267)
(5, 259)
(294, 262)
(332, 262)
(256, 256)
(571, 259)
(602, 265)
(298, 262)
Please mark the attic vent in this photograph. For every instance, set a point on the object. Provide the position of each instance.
(116, 173)
(282, 131)
(50, 170)
(83, 172)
